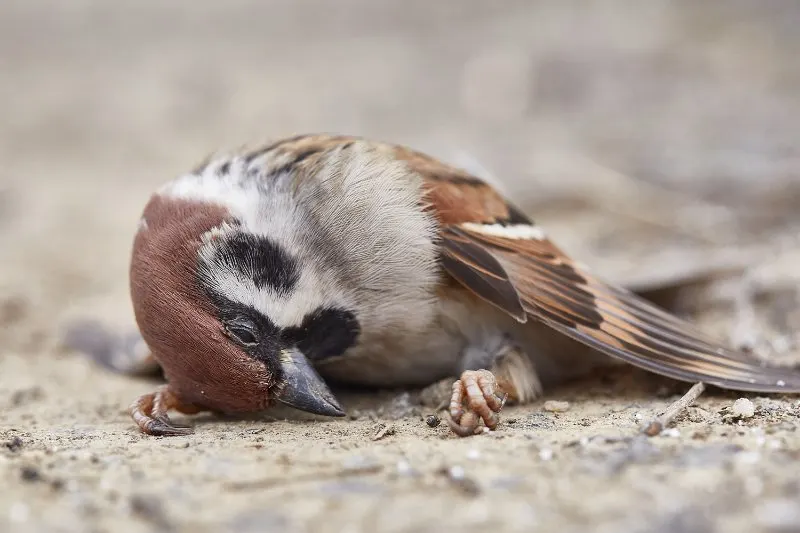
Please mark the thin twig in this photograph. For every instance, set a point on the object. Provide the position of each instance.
(657, 426)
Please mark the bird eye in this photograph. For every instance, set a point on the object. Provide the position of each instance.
(242, 332)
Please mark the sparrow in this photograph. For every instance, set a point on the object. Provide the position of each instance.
(262, 275)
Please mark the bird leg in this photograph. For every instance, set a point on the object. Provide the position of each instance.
(149, 412)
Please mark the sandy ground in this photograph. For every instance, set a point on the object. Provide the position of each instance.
(101, 102)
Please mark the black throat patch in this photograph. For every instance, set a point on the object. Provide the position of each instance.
(325, 333)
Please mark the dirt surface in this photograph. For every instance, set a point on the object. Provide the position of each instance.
(102, 102)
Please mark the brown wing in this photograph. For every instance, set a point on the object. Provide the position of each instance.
(477, 224)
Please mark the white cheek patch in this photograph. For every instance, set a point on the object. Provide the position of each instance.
(511, 231)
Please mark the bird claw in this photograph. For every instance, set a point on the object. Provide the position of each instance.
(149, 412)
(475, 390)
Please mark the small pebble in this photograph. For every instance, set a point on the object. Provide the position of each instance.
(555, 406)
(432, 420)
(473, 454)
(743, 408)
(545, 454)
(671, 432)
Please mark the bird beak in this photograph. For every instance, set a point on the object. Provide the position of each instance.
(303, 388)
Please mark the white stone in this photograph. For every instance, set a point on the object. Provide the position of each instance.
(743, 408)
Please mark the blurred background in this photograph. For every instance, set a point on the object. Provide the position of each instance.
(655, 141)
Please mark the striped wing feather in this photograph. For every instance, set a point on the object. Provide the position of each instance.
(554, 290)
(617, 322)
(475, 267)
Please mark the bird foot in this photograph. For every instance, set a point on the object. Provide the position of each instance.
(149, 412)
(475, 398)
